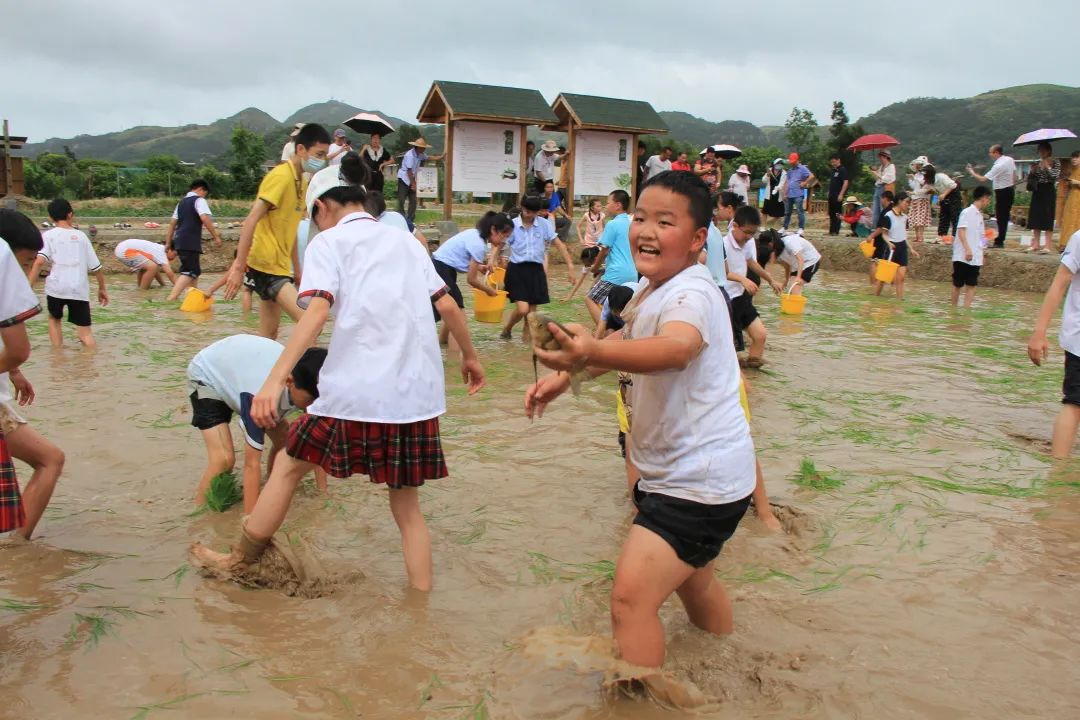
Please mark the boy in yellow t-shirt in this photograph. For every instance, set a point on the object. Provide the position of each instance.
(266, 254)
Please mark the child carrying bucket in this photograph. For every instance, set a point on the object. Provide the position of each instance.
(893, 228)
(797, 255)
(468, 252)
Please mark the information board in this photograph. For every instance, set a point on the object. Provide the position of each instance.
(603, 161)
(427, 182)
(487, 157)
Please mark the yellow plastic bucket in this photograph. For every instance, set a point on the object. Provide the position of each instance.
(867, 247)
(497, 277)
(196, 301)
(792, 304)
(488, 309)
(886, 271)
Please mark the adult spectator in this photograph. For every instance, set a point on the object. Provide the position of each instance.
(949, 203)
(658, 164)
(1042, 182)
(681, 163)
(338, 147)
(564, 177)
(530, 161)
(773, 180)
(407, 174)
(1002, 176)
(1070, 199)
(798, 179)
(641, 160)
(838, 185)
(740, 183)
(884, 179)
(289, 150)
(544, 165)
(921, 194)
(708, 169)
(375, 157)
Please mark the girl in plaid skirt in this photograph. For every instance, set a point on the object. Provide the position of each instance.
(380, 391)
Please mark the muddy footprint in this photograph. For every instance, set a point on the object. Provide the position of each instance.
(793, 520)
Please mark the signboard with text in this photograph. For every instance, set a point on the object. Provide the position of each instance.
(486, 157)
(602, 162)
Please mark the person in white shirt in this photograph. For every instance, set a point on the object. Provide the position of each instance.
(289, 150)
(949, 203)
(1002, 176)
(740, 251)
(20, 511)
(72, 258)
(658, 164)
(884, 179)
(338, 148)
(797, 255)
(543, 166)
(967, 255)
(688, 436)
(381, 389)
(893, 229)
(148, 260)
(1066, 285)
(739, 182)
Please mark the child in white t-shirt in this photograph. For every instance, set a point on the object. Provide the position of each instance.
(148, 260)
(797, 255)
(20, 242)
(967, 252)
(72, 257)
(689, 437)
(381, 389)
(1066, 285)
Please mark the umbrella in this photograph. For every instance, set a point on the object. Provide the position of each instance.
(727, 152)
(878, 141)
(368, 123)
(1045, 135)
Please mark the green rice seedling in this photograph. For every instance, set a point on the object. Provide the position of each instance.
(89, 628)
(224, 492)
(428, 691)
(19, 606)
(809, 476)
(145, 710)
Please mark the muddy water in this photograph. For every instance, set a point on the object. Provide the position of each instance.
(928, 572)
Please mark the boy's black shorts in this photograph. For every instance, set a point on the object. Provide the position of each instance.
(208, 412)
(743, 312)
(265, 285)
(1070, 388)
(190, 263)
(964, 274)
(695, 531)
(78, 310)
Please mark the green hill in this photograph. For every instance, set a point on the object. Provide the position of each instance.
(688, 128)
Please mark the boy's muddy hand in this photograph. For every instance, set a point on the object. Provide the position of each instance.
(472, 372)
(575, 349)
(234, 281)
(1038, 348)
(264, 408)
(543, 392)
(24, 391)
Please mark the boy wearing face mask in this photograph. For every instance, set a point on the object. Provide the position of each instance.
(267, 250)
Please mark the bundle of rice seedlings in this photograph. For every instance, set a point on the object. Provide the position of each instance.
(224, 492)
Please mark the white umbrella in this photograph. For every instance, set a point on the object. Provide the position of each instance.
(725, 151)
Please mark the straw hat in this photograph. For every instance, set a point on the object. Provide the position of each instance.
(743, 170)
(296, 129)
(919, 162)
(420, 143)
(851, 199)
(550, 146)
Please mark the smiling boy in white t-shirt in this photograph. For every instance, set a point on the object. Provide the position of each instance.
(689, 438)
(967, 251)
(1066, 285)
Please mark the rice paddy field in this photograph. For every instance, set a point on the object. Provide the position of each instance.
(926, 569)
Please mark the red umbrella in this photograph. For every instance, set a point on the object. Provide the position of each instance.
(878, 141)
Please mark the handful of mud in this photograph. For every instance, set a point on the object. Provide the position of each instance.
(543, 338)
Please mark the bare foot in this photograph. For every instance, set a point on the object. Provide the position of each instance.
(770, 521)
(211, 560)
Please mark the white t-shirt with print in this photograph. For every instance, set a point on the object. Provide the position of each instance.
(133, 250)
(736, 258)
(690, 438)
(972, 220)
(72, 258)
(798, 245)
(17, 303)
(1070, 318)
(383, 364)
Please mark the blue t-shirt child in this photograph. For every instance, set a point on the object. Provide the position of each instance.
(619, 267)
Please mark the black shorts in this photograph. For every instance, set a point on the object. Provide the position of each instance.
(527, 282)
(589, 254)
(265, 285)
(622, 443)
(207, 412)
(881, 249)
(1070, 388)
(736, 332)
(808, 272)
(695, 531)
(190, 263)
(964, 274)
(78, 310)
(900, 254)
(743, 312)
(449, 276)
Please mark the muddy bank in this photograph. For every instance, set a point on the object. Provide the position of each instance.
(1006, 269)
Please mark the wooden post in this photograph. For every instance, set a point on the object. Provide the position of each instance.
(571, 147)
(9, 181)
(523, 163)
(448, 170)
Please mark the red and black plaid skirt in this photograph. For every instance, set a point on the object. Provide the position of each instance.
(12, 515)
(398, 455)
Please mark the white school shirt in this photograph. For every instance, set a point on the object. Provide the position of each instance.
(395, 220)
(897, 227)
(690, 438)
(1002, 174)
(201, 206)
(72, 258)
(736, 258)
(1070, 318)
(235, 368)
(137, 248)
(459, 250)
(798, 245)
(18, 303)
(529, 244)
(715, 253)
(383, 364)
(972, 220)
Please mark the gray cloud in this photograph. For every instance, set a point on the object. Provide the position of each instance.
(115, 64)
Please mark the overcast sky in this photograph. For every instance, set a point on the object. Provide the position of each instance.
(75, 67)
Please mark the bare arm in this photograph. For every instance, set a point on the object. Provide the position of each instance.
(15, 348)
(753, 265)
(208, 223)
(259, 208)
(169, 232)
(961, 235)
(103, 293)
(1038, 347)
(476, 279)
(264, 408)
(35, 270)
(471, 370)
(676, 345)
(598, 263)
